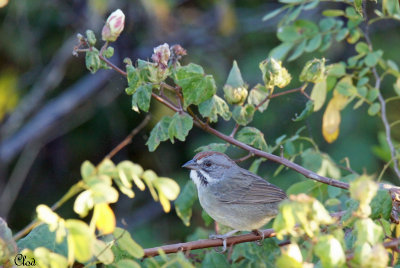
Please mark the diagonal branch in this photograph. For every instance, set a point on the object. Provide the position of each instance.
(380, 97)
(280, 160)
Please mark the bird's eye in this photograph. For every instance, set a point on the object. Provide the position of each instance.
(208, 164)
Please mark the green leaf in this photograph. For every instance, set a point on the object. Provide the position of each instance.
(307, 187)
(330, 251)
(243, 115)
(91, 37)
(41, 236)
(253, 137)
(273, 14)
(307, 28)
(103, 252)
(214, 259)
(141, 98)
(374, 109)
(333, 13)
(314, 43)
(8, 247)
(311, 160)
(390, 7)
(362, 48)
(368, 231)
(345, 87)
(180, 126)
(125, 242)
(342, 34)
(326, 42)
(381, 205)
(258, 95)
(92, 60)
(372, 94)
(318, 94)
(235, 79)
(185, 201)
(80, 240)
(327, 24)
(87, 170)
(306, 112)
(298, 51)
(196, 86)
(372, 58)
(133, 76)
(255, 165)
(128, 263)
(336, 69)
(280, 52)
(213, 107)
(216, 147)
(289, 33)
(358, 6)
(159, 133)
(311, 5)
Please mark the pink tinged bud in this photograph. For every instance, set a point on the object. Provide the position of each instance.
(161, 55)
(114, 26)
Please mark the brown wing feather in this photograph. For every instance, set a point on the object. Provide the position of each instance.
(253, 190)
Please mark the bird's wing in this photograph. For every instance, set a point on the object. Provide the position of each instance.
(252, 190)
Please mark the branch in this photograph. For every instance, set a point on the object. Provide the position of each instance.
(283, 161)
(128, 138)
(380, 97)
(208, 243)
(299, 89)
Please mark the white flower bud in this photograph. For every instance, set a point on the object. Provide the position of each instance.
(114, 26)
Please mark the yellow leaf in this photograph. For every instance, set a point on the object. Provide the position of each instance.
(3, 3)
(331, 122)
(105, 218)
(339, 101)
(164, 202)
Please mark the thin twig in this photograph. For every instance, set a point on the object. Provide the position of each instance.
(235, 129)
(128, 138)
(244, 158)
(299, 89)
(380, 97)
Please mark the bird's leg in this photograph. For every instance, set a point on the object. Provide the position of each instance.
(224, 237)
(260, 233)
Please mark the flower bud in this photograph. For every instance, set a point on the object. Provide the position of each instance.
(161, 55)
(114, 26)
(313, 71)
(235, 95)
(274, 74)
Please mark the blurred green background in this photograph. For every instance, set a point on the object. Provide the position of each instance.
(54, 114)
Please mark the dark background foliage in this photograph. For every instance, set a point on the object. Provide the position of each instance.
(54, 114)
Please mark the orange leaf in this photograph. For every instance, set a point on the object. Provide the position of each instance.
(105, 218)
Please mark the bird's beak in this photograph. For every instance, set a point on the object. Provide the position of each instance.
(190, 164)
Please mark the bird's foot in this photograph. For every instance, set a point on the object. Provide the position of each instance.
(224, 238)
(260, 233)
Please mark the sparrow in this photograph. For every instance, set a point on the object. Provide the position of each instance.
(231, 195)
